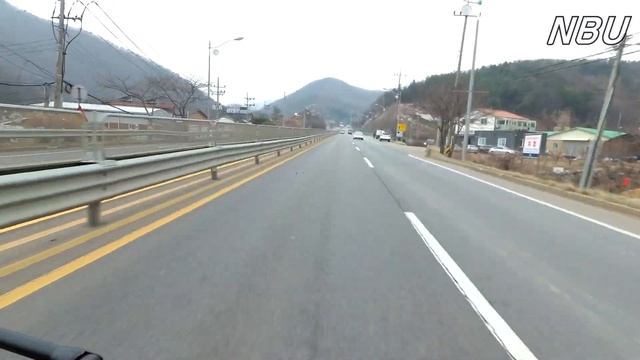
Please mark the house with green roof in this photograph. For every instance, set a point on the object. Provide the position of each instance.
(575, 141)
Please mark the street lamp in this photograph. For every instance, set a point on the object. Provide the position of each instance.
(215, 52)
(467, 11)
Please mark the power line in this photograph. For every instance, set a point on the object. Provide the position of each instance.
(575, 65)
(28, 43)
(25, 85)
(43, 70)
(22, 67)
(558, 64)
(119, 28)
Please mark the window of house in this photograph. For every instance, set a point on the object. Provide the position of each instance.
(483, 121)
(502, 141)
(482, 141)
(500, 122)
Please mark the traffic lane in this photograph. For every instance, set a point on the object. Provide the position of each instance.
(618, 219)
(30, 261)
(310, 260)
(53, 230)
(562, 283)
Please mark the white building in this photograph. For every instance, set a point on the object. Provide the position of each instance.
(498, 120)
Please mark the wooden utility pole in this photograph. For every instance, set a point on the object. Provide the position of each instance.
(57, 96)
(592, 154)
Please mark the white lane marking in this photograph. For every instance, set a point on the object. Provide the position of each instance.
(493, 321)
(357, 148)
(368, 162)
(586, 218)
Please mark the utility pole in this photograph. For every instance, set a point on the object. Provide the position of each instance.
(219, 92)
(248, 103)
(619, 120)
(209, 73)
(592, 154)
(464, 32)
(284, 105)
(46, 95)
(466, 12)
(57, 96)
(470, 95)
(398, 100)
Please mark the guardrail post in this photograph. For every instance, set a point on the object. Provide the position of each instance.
(214, 173)
(94, 144)
(278, 153)
(93, 213)
(257, 159)
(292, 148)
(210, 135)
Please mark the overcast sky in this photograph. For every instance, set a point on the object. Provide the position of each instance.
(289, 43)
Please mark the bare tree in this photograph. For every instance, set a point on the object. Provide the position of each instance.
(447, 105)
(142, 91)
(182, 93)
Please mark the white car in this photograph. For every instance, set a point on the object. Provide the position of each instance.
(358, 135)
(385, 137)
(501, 150)
(472, 148)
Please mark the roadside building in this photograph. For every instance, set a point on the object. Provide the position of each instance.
(574, 142)
(493, 127)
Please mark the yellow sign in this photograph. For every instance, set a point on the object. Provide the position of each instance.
(402, 127)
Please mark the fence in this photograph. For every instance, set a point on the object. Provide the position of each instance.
(34, 136)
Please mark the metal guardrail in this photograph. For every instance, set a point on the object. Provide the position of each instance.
(29, 195)
(35, 136)
(38, 349)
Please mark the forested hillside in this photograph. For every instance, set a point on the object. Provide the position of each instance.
(333, 99)
(28, 56)
(549, 91)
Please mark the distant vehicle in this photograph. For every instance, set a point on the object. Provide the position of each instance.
(342, 132)
(385, 137)
(472, 148)
(501, 150)
(358, 135)
(377, 134)
(484, 148)
(349, 131)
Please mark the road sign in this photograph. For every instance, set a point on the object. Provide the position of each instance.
(402, 127)
(79, 93)
(534, 144)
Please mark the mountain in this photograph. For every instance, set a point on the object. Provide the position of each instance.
(553, 92)
(334, 99)
(28, 56)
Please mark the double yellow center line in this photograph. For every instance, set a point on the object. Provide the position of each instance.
(38, 283)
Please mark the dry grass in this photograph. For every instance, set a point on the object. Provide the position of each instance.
(607, 184)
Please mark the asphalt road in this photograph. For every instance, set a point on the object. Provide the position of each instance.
(356, 251)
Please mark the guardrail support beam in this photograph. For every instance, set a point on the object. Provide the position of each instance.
(214, 173)
(93, 213)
